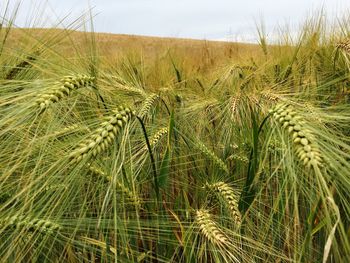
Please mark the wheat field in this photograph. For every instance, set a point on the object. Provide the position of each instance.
(119, 148)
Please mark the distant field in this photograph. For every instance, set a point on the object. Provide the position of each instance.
(194, 58)
(114, 45)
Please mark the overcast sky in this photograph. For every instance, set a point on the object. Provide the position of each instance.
(203, 19)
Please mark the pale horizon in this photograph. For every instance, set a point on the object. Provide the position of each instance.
(194, 19)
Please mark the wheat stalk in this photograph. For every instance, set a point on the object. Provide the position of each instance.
(31, 224)
(62, 89)
(103, 136)
(227, 194)
(305, 144)
(209, 228)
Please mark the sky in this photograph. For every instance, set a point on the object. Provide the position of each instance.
(199, 19)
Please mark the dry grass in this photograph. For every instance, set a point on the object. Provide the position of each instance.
(196, 52)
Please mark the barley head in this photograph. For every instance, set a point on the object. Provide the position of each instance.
(209, 228)
(103, 136)
(62, 89)
(212, 156)
(344, 46)
(305, 144)
(147, 105)
(227, 194)
(31, 224)
(126, 192)
(158, 136)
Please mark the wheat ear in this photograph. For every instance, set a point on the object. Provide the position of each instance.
(132, 90)
(65, 130)
(234, 101)
(158, 136)
(238, 157)
(104, 135)
(305, 144)
(31, 224)
(227, 194)
(62, 89)
(344, 45)
(209, 228)
(147, 105)
(127, 193)
(212, 156)
(269, 95)
(124, 86)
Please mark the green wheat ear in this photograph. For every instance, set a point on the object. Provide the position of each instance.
(103, 136)
(147, 105)
(304, 141)
(212, 156)
(62, 89)
(108, 178)
(227, 194)
(31, 224)
(239, 157)
(158, 136)
(344, 45)
(209, 228)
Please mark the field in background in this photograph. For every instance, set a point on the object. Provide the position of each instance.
(153, 47)
(193, 56)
